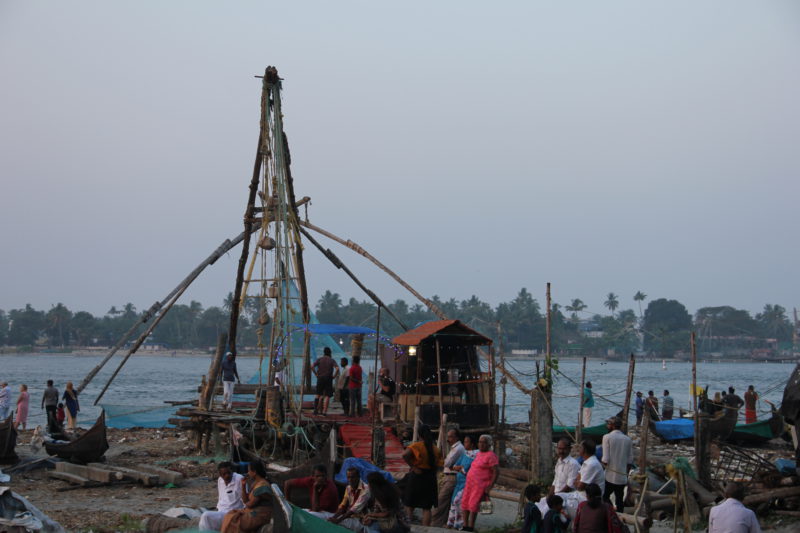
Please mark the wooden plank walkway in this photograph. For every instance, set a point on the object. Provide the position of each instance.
(358, 438)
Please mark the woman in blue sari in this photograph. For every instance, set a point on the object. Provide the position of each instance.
(73, 407)
(455, 519)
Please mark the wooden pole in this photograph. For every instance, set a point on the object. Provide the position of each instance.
(213, 373)
(628, 392)
(439, 381)
(542, 415)
(359, 250)
(375, 405)
(547, 361)
(579, 425)
(502, 381)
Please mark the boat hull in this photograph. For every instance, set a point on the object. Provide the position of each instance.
(8, 442)
(88, 448)
(758, 432)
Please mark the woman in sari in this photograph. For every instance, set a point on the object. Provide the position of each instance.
(482, 474)
(455, 520)
(385, 513)
(22, 407)
(257, 497)
(73, 407)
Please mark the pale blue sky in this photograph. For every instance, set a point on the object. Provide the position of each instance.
(474, 147)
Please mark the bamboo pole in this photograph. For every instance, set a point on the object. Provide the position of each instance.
(547, 361)
(628, 392)
(213, 373)
(375, 404)
(359, 250)
(340, 265)
(439, 380)
(210, 260)
(579, 425)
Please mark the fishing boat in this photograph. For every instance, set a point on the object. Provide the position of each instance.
(594, 432)
(8, 441)
(719, 427)
(88, 448)
(759, 432)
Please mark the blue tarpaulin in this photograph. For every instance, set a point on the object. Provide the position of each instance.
(335, 329)
(364, 468)
(680, 428)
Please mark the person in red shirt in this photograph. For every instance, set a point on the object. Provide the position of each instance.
(354, 386)
(322, 491)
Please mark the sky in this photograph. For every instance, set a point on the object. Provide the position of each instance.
(473, 147)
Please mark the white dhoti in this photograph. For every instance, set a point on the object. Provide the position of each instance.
(211, 520)
(587, 416)
(227, 393)
(571, 501)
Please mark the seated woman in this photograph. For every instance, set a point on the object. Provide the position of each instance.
(257, 497)
(385, 512)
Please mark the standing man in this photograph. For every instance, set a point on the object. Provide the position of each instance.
(731, 516)
(733, 400)
(5, 401)
(448, 481)
(651, 403)
(229, 373)
(229, 497)
(639, 407)
(566, 470)
(325, 369)
(588, 403)
(591, 470)
(50, 405)
(668, 407)
(617, 455)
(341, 386)
(356, 378)
(750, 399)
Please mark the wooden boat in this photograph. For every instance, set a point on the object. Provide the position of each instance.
(758, 432)
(88, 448)
(593, 432)
(719, 427)
(8, 441)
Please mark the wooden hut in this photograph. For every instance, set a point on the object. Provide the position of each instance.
(438, 370)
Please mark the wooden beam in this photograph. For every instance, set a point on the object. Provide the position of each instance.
(165, 475)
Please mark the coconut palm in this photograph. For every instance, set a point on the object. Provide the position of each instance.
(575, 307)
(612, 302)
(639, 297)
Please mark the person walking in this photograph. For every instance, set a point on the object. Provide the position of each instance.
(50, 405)
(73, 406)
(750, 399)
(617, 455)
(482, 475)
(23, 400)
(354, 383)
(588, 404)
(5, 401)
(447, 483)
(639, 408)
(668, 407)
(325, 368)
(341, 385)
(731, 515)
(229, 374)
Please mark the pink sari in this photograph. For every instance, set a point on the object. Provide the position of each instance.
(479, 478)
(22, 408)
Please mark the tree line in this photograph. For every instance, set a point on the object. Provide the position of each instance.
(661, 328)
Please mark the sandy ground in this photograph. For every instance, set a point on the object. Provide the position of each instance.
(122, 507)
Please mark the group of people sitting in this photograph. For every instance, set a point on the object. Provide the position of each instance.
(244, 503)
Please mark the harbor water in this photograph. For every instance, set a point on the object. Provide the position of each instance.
(147, 381)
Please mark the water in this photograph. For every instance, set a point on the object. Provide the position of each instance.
(147, 381)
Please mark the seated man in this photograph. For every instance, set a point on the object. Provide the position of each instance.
(385, 389)
(322, 491)
(354, 503)
(229, 490)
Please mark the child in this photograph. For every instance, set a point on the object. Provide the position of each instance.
(532, 516)
(556, 519)
(60, 415)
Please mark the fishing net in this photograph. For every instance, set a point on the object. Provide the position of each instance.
(128, 416)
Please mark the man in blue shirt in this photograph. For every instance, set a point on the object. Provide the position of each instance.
(588, 403)
(229, 373)
(639, 408)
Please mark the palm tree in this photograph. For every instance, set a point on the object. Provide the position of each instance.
(575, 307)
(639, 297)
(612, 302)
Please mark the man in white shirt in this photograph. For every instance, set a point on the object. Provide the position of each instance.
(591, 470)
(448, 482)
(731, 516)
(617, 455)
(566, 469)
(229, 489)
